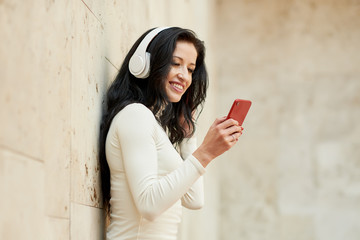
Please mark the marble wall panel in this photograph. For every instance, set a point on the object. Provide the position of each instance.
(56, 106)
(56, 228)
(23, 73)
(300, 227)
(35, 105)
(88, 74)
(86, 222)
(22, 204)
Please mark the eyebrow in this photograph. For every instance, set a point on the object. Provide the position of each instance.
(183, 59)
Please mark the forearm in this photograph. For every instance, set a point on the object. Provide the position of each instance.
(194, 197)
(153, 195)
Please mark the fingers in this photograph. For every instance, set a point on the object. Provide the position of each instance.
(233, 129)
(229, 129)
(227, 126)
(228, 123)
(219, 120)
(234, 136)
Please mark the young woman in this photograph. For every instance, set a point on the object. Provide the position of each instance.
(150, 165)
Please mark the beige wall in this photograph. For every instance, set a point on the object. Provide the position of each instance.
(295, 173)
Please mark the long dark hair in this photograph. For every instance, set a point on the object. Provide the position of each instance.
(127, 89)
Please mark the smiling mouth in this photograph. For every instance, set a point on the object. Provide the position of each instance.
(178, 87)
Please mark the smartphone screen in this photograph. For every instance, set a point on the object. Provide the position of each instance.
(239, 110)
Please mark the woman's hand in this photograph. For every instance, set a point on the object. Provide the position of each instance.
(222, 135)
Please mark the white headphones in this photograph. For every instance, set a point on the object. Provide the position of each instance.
(139, 64)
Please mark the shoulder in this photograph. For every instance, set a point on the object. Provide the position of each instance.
(136, 110)
(135, 114)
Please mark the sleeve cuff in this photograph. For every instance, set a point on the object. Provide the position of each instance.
(197, 164)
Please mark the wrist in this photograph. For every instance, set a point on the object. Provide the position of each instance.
(203, 156)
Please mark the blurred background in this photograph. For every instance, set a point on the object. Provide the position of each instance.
(295, 172)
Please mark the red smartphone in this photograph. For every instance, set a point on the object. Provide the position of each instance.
(239, 110)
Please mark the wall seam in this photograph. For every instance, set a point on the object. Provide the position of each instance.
(111, 63)
(87, 205)
(17, 152)
(57, 217)
(92, 13)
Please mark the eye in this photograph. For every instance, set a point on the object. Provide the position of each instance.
(175, 64)
(191, 70)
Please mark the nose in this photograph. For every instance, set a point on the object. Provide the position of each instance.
(184, 74)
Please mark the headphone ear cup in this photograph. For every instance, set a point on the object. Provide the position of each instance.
(139, 63)
(146, 71)
(136, 65)
(140, 67)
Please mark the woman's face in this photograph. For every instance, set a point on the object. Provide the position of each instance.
(182, 66)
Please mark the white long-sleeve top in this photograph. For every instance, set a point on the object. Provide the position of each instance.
(150, 180)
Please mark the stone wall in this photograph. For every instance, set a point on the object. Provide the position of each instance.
(295, 173)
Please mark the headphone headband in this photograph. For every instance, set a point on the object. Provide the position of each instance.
(139, 64)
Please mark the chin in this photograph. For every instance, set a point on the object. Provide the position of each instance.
(174, 99)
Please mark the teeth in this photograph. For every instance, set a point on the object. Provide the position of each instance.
(178, 86)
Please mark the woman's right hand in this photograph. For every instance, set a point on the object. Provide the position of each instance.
(222, 135)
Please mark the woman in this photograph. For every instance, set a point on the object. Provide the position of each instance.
(150, 166)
